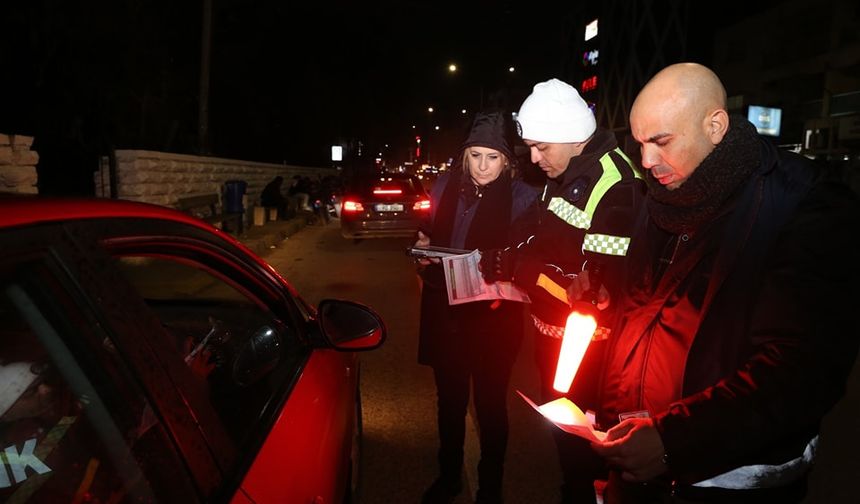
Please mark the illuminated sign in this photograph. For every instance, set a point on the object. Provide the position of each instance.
(590, 57)
(336, 153)
(591, 30)
(765, 119)
(589, 84)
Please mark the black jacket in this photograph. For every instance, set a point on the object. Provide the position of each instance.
(768, 294)
(453, 335)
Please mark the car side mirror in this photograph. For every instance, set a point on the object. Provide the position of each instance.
(258, 356)
(350, 326)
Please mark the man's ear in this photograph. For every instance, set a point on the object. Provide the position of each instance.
(718, 125)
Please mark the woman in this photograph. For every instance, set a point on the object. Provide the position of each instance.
(479, 205)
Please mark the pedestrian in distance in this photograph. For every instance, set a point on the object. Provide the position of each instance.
(739, 325)
(300, 189)
(477, 204)
(592, 198)
(273, 197)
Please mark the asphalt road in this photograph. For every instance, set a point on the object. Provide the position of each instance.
(398, 395)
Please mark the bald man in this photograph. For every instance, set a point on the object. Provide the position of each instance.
(739, 329)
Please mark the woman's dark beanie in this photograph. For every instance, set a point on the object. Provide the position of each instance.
(489, 130)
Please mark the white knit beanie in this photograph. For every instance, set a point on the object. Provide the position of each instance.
(555, 113)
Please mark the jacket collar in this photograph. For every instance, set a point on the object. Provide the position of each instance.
(602, 142)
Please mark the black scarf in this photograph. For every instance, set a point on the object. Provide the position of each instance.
(704, 193)
(489, 227)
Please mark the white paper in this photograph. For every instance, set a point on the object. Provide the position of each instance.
(465, 283)
(576, 422)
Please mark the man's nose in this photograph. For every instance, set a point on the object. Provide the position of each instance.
(649, 157)
(535, 155)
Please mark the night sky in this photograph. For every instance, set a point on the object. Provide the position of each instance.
(288, 79)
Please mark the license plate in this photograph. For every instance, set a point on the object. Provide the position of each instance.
(389, 207)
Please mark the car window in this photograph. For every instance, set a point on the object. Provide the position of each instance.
(385, 185)
(73, 425)
(240, 354)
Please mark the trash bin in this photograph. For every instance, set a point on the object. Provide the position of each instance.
(234, 191)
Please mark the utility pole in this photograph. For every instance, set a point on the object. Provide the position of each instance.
(203, 105)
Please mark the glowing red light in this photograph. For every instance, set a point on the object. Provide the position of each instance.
(387, 191)
(577, 335)
(589, 84)
(421, 205)
(352, 206)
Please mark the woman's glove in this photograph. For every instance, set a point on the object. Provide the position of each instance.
(497, 265)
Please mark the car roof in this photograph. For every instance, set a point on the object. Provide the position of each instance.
(22, 210)
(366, 182)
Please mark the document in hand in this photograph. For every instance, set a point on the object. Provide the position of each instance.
(568, 417)
(465, 283)
(430, 252)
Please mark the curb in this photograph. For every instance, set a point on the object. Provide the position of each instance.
(262, 239)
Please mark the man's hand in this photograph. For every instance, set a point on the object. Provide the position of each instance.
(580, 285)
(497, 265)
(635, 447)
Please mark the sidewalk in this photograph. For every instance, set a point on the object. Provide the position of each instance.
(262, 239)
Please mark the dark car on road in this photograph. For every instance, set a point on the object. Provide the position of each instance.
(387, 205)
(146, 356)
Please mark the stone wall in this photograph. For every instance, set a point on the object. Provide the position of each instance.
(162, 178)
(18, 165)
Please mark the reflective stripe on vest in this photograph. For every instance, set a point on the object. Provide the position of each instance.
(555, 290)
(763, 475)
(606, 244)
(557, 332)
(569, 213)
(581, 219)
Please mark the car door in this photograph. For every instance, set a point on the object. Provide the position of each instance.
(281, 430)
(212, 304)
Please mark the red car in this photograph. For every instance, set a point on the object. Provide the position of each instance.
(146, 356)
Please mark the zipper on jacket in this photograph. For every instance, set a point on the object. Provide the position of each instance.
(684, 237)
(664, 262)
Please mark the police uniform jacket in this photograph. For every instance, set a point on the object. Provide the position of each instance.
(588, 215)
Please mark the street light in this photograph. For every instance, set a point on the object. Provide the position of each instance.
(452, 68)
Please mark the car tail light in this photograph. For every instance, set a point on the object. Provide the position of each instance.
(423, 204)
(379, 190)
(352, 206)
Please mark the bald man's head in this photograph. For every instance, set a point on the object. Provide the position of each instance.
(678, 118)
(694, 83)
